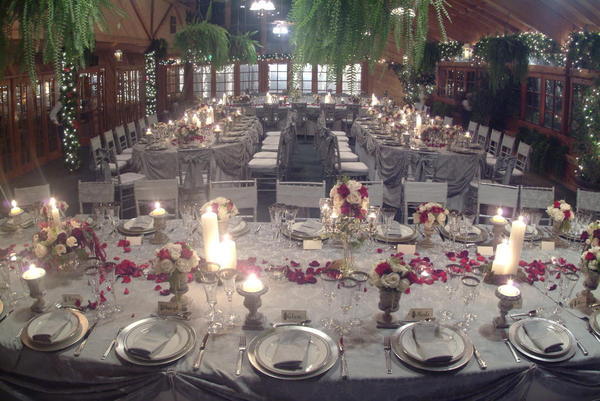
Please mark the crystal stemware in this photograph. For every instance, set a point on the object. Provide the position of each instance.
(387, 215)
(290, 218)
(362, 279)
(470, 291)
(275, 215)
(107, 292)
(347, 287)
(228, 277)
(210, 280)
(451, 286)
(329, 279)
(112, 218)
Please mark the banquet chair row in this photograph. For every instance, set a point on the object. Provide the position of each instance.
(31, 196)
(338, 160)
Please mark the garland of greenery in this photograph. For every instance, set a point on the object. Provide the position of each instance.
(587, 137)
(68, 113)
(584, 49)
(63, 25)
(345, 32)
(450, 50)
(548, 155)
(543, 48)
(203, 42)
(150, 76)
(242, 48)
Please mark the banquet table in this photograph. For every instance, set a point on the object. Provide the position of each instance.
(228, 160)
(31, 375)
(391, 164)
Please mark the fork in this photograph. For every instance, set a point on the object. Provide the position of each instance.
(241, 350)
(387, 347)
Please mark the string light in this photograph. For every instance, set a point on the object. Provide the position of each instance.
(68, 113)
(150, 76)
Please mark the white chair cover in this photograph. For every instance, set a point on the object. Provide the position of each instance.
(300, 194)
(28, 196)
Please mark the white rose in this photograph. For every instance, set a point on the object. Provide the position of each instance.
(174, 250)
(565, 206)
(354, 186)
(441, 219)
(36, 238)
(184, 265)
(354, 198)
(430, 218)
(40, 251)
(71, 242)
(165, 266)
(60, 249)
(558, 216)
(404, 284)
(390, 280)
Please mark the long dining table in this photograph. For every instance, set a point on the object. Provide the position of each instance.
(30, 375)
(392, 164)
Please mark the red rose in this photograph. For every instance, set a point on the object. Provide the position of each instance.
(567, 214)
(346, 209)
(383, 268)
(584, 236)
(186, 252)
(423, 218)
(364, 192)
(164, 254)
(590, 256)
(343, 190)
(215, 207)
(557, 204)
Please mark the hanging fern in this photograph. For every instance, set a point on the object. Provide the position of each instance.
(203, 42)
(242, 48)
(52, 26)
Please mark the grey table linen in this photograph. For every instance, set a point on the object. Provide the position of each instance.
(228, 160)
(391, 164)
(31, 375)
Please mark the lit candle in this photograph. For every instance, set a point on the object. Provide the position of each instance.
(210, 234)
(418, 124)
(372, 217)
(227, 253)
(33, 273)
(15, 210)
(158, 211)
(517, 236)
(217, 128)
(148, 131)
(467, 135)
(502, 259)
(252, 284)
(509, 289)
(54, 214)
(170, 122)
(498, 217)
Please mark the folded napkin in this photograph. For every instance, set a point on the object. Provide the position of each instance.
(291, 350)
(542, 337)
(431, 346)
(140, 223)
(308, 227)
(52, 328)
(151, 343)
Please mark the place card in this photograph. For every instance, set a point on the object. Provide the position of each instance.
(293, 315)
(168, 308)
(309, 244)
(410, 249)
(134, 241)
(420, 314)
(547, 245)
(485, 250)
(72, 300)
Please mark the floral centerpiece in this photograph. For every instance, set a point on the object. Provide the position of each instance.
(347, 222)
(63, 246)
(561, 214)
(591, 235)
(392, 277)
(224, 209)
(188, 133)
(177, 260)
(429, 215)
(590, 259)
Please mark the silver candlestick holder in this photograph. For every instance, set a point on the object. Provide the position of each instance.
(254, 319)
(159, 238)
(506, 303)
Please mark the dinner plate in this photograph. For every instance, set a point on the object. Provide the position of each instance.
(524, 340)
(401, 353)
(456, 344)
(515, 340)
(1, 310)
(70, 329)
(83, 327)
(183, 331)
(408, 233)
(173, 347)
(322, 353)
(531, 232)
(595, 321)
(477, 235)
(302, 236)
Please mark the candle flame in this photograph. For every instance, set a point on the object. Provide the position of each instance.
(227, 237)
(148, 131)
(52, 202)
(499, 211)
(521, 219)
(157, 205)
(170, 122)
(509, 282)
(31, 267)
(13, 203)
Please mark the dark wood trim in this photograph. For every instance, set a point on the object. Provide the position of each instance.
(162, 20)
(140, 19)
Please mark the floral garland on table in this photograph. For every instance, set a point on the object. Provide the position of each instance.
(223, 207)
(430, 214)
(589, 259)
(186, 133)
(175, 257)
(561, 213)
(591, 235)
(54, 245)
(46, 208)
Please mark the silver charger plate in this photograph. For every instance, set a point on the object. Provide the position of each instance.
(69, 330)
(393, 239)
(595, 321)
(320, 234)
(476, 238)
(407, 359)
(529, 236)
(121, 229)
(122, 338)
(409, 346)
(514, 339)
(317, 335)
(84, 324)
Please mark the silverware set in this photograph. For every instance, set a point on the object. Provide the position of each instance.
(512, 349)
(85, 339)
(343, 362)
(482, 363)
(201, 350)
(240, 358)
(387, 347)
(111, 345)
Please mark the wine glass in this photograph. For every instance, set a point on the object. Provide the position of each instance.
(388, 215)
(361, 279)
(470, 291)
(290, 214)
(112, 217)
(275, 215)
(346, 287)
(453, 226)
(210, 280)
(108, 293)
(228, 277)
(329, 279)
(451, 286)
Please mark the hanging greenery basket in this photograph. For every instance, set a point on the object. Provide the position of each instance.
(203, 42)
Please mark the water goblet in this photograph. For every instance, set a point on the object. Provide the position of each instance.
(362, 279)
(329, 279)
(470, 292)
(228, 277)
(107, 292)
(275, 215)
(112, 218)
(210, 280)
(388, 215)
(347, 287)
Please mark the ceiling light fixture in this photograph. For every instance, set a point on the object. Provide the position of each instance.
(262, 5)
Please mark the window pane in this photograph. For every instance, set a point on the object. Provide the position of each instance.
(351, 80)
(278, 77)
(202, 81)
(325, 80)
(249, 78)
(224, 80)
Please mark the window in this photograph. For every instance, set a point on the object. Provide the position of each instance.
(459, 83)
(278, 77)
(553, 109)
(325, 80)
(202, 81)
(173, 24)
(224, 79)
(249, 78)
(471, 81)
(532, 101)
(450, 84)
(304, 78)
(351, 79)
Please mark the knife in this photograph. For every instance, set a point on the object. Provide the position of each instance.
(480, 361)
(343, 358)
(85, 338)
(111, 345)
(201, 352)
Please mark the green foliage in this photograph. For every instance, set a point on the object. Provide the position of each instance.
(159, 47)
(203, 42)
(431, 57)
(495, 109)
(344, 32)
(508, 59)
(543, 48)
(587, 136)
(442, 109)
(548, 155)
(584, 50)
(53, 26)
(450, 50)
(242, 48)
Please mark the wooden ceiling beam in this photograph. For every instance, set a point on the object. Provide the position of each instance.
(572, 7)
(162, 20)
(140, 19)
(497, 8)
(475, 25)
(481, 12)
(589, 9)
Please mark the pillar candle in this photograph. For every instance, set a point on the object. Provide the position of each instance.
(33, 273)
(502, 259)
(158, 210)
(517, 236)
(227, 253)
(54, 214)
(210, 233)
(509, 289)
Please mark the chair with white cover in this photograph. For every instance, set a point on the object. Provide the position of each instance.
(141, 127)
(493, 149)
(375, 192)
(588, 201)
(507, 146)
(193, 172)
(123, 184)
(472, 129)
(303, 194)
(416, 193)
(32, 196)
(536, 199)
(97, 151)
(132, 133)
(119, 161)
(120, 132)
(123, 142)
(354, 169)
(152, 119)
(482, 135)
(165, 191)
(243, 194)
(264, 167)
(494, 196)
(523, 151)
(273, 133)
(448, 120)
(94, 192)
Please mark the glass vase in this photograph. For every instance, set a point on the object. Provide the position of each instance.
(347, 265)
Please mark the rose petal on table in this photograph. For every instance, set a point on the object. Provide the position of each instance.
(157, 288)
(314, 263)
(165, 292)
(126, 292)
(125, 279)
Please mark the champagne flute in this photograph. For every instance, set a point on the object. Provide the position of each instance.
(228, 277)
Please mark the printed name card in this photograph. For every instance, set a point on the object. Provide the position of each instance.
(309, 244)
(547, 245)
(168, 308)
(485, 250)
(72, 300)
(407, 248)
(134, 241)
(420, 314)
(295, 316)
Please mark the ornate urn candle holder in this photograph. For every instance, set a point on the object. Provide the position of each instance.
(252, 289)
(35, 279)
(508, 294)
(160, 223)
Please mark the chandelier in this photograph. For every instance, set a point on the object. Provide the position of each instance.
(262, 5)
